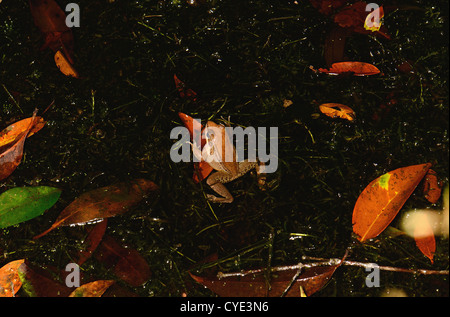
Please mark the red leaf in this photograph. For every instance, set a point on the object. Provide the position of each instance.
(432, 188)
(424, 237)
(256, 285)
(183, 90)
(383, 198)
(92, 241)
(127, 263)
(51, 20)
(353, 68)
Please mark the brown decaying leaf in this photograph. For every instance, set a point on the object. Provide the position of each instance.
(92, 240)
(432, 188)
(92, 289)
(12, 152)
(10, 281)
(127, 263)
(51, 20)
(256, 285)
(383, 198)
(103, 203)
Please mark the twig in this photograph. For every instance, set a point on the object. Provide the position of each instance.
(331, 262)
(382, 267)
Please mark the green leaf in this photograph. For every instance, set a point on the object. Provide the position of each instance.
(20, 204)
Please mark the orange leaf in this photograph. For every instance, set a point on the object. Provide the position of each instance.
(432, 188)
(337, 110)
(424, 237)
(354, 68)
(202, 169)
(10, 133)
(11, 153)
(64, 66)
(103, 203)
(256, 285)
(92, 289)
(10, 281)
(383, 198)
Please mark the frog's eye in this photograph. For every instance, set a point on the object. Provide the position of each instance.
(209, 135)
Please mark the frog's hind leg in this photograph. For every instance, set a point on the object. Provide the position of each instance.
(215, 181)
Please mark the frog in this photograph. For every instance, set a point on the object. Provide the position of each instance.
(220, 153)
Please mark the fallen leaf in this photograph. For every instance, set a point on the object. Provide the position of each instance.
(354, 68)
(256, 285)
(40, 282)
(103, 203)
(51, 21)
(11, 153)
(20, 204)
(10, 281)
(355, 17)
(201, 169)
(372, 23)
(64, 65)
(92, 289)
(127, 263)
(184, 91)
(92, 241)
(382, 199)
(432, 188)
(337, 110)
(11, 132)
(424, 237)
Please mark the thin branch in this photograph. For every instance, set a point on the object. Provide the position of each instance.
(331, 262)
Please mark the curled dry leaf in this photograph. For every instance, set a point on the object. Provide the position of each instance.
(337, 110)
(11, 152)
(10, 133)
(10, 281)
(382, 199)
(201, 169)
(103, 203)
